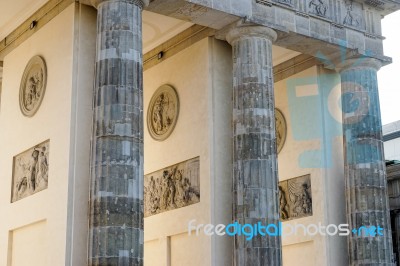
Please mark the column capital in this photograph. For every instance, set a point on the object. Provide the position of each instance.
(141, 3)
(358, 63)
(249, 30)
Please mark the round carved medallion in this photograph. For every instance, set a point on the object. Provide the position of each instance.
(281, 129)
(163, 112)
(33, 86)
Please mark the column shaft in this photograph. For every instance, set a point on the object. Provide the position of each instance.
(255, 171)
(365, 170)
(116, 196)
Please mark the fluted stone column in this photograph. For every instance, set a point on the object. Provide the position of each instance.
(116, 196)
(255, 171)
(365, 170)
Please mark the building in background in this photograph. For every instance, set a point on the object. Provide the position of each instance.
(121, 121)
(391, 138)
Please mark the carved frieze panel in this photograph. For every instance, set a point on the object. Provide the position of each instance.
(33, 86)
(348, 14)
(295, 198)
(173, 187)
(30, 171)
(319, 8)
(352, 14)
(163, 112)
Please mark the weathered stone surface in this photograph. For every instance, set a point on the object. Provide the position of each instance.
(365, 175)
(116, 199)
(255, 178)
(295, 21)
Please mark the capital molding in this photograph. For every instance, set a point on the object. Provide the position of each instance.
(141, 3)
(245, 30)
(358, 63)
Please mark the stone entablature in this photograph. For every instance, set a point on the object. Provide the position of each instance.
(355, 25)
(350, 24)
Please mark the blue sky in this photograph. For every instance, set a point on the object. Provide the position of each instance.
(389, 76)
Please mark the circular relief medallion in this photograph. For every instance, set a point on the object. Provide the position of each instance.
(163, 112)
(281, 129)
(33, 86)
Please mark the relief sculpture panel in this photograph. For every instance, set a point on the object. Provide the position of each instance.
(33, 86)
(353, 14)
(30, 171)
(295, 198)
(163, 112)
(318, 7)
(172, 187)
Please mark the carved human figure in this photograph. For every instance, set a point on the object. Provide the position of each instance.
(169, 189)
(302, 202)
(42, 176)
(189, 191)
(159, 113)
(33, 90)
(186, 186)
(180, 190)
(31, 93)
(153, 197)
(33, 170)
(306, 200)
(350, 19)
(284, 208)
(318, 7)
(297, 206)
(22, 186)
(38, 77)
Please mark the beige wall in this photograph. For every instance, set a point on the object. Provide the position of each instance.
(203, 83)
(81, 132)
(28, 244)
(221, 147)
(51, 219)
(327, 183)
